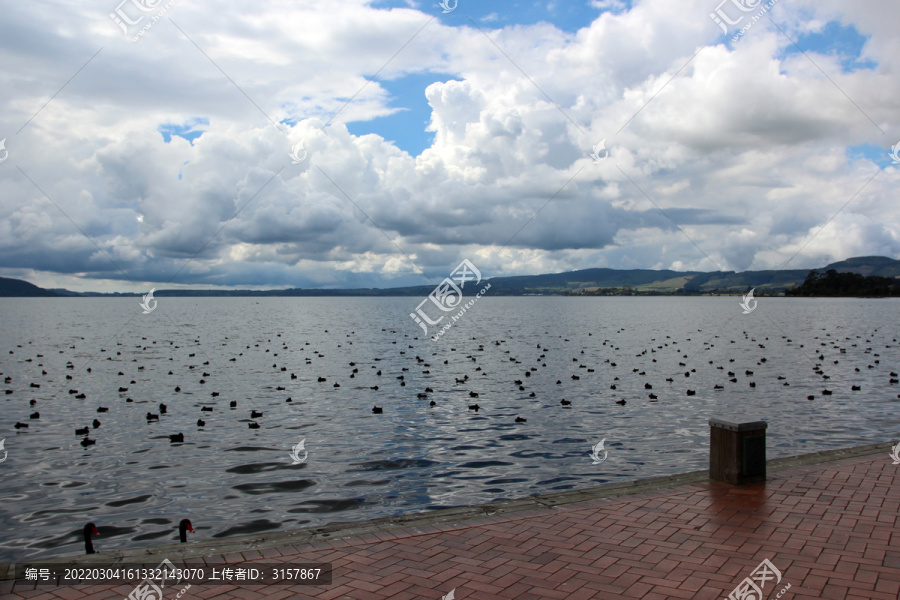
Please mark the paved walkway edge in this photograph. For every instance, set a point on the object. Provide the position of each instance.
(413, 521)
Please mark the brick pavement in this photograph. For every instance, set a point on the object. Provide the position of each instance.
(831, 529)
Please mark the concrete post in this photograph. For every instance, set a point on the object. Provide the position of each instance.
(737, 451)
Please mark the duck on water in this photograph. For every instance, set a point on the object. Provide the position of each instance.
(91, 530)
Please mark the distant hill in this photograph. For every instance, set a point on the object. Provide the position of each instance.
(587, 279)
(765, 282)
(62, 292)
(599, 281)
(880, 266)
(17, 288)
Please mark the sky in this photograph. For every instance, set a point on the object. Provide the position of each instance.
(354, 143)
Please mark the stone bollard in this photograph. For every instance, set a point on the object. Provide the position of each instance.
(737, 451)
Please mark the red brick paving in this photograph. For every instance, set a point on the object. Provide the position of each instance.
(831, 529)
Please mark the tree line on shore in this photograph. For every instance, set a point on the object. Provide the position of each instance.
(832, 283)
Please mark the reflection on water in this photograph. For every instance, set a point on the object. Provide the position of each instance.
(522, 356)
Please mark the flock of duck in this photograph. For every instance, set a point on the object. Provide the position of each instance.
(254, 415)
(464, 383)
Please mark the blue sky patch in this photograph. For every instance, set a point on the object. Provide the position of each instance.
(406, 127)
(564, 14)
(834, 39)
(880, 156)
(188, 130)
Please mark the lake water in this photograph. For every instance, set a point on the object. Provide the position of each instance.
(229, 479)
